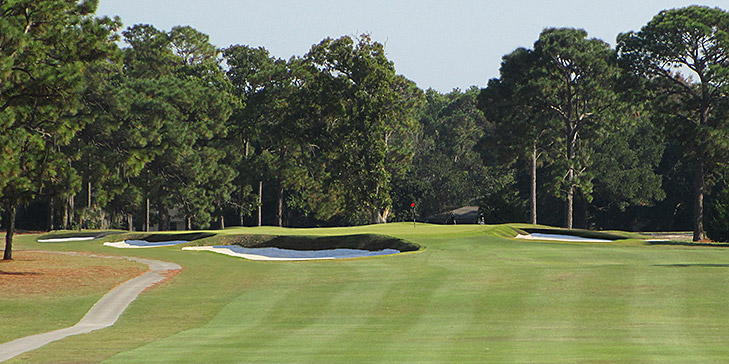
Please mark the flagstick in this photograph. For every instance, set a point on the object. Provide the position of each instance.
(412, 209)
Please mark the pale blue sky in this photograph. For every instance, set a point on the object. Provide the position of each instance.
(437, 44)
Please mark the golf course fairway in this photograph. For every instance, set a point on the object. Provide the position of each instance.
(472, 294)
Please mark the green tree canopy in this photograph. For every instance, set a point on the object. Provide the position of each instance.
(447, 171)
(577, 88)
(368, 113)
(274, 133)
(562, 99)
(520, 127)
(181, 97)
(685, 54)
(46, 47)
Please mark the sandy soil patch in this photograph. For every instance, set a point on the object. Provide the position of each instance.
(42, 274)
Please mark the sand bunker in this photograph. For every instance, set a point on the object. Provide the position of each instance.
(289, 254)
(560, 237)
(133, 244)
(61, 240)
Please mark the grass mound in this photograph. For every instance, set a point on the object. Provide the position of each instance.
(371, 242)
(78, 234)
(158, 238)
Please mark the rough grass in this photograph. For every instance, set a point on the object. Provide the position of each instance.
(41, 274)
(43, 291)
(471, 295)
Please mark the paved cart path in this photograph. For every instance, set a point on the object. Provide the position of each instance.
(103, 314)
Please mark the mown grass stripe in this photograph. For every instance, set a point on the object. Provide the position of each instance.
(228, 326)
(321, 319)
(412, 303)
(350, 311)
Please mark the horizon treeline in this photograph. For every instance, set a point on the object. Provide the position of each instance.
(169, 127)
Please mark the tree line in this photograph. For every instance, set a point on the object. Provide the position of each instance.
(98, 135)
(604, 123)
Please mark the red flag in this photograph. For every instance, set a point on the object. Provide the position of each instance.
(412, 204)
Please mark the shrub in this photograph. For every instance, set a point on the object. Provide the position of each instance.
(717, 214)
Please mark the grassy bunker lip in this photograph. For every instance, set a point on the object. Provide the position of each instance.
(303, 247)
(160, 238)
(85, 235)
(370, 242)
(157, 240)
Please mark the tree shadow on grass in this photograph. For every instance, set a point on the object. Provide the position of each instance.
(688, 243)
(701, 265)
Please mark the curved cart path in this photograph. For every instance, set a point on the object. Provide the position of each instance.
(103, 314)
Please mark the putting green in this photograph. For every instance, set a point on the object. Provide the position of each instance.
(470, 296)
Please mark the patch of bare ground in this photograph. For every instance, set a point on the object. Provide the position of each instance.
(168, 276)
(49, 274)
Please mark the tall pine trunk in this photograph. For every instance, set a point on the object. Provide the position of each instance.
(164, 217)
(146, 215)
(279, 204)
(699, 200)
(241, 213)
(533, 192)
(260, 201)
(87, 215)
(68, 213)
(51, 213)
(130, 222)
(8, 254)
(569, 204)
(570, 178)
(64, 217)
(699, 182)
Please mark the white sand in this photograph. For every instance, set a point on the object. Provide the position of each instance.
(288, 254)
(61, 240)
(559, 237)
(134, 244)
